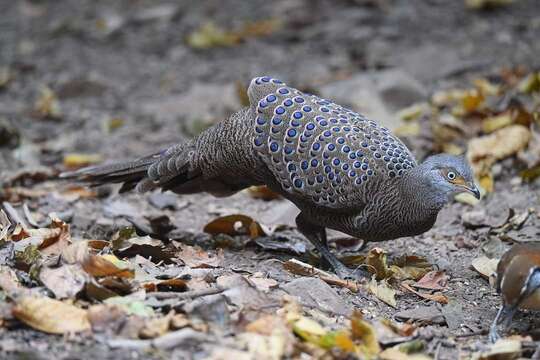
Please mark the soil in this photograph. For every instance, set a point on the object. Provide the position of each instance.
(102, 71)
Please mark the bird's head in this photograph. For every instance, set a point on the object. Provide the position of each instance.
(450, 175)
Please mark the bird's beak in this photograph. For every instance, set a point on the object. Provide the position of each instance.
(471, 188)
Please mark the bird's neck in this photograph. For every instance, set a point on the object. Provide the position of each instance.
(419, 193)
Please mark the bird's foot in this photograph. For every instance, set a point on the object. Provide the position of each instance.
(493, 334)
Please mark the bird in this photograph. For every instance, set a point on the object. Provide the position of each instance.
(342, 170)
(518, 282)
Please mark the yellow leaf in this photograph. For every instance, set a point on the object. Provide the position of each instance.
(409, 129)
(73, 161)
(382, 291)
(344, 342)
(51, 316)
(365, 333)
(472, 100)
(376, 259)
(209, 35)
(530, 83)
(493, 123)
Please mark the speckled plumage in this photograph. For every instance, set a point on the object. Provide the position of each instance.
(341, 169)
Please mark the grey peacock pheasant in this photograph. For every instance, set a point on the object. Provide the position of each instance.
(343, 171)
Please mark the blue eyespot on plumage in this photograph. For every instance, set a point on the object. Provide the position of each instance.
(336, 161)
(319, 178)
(377, 155)
(341, 140)
(279, 110)
(291, 167)
(310, 126)
(345, 167)
(324, 123)
(258, 130)
(357, 164)
(364, 144)
(331, 147)
(327, 133)
(316, 146)
(304, 165)
(352, 156)
(274, 146)
(298, 183)
(265, 79)
(291, 132)
(295, 123)
(306, 108)
(277, 81)
(258, 141)
(276, 120)
(327, 169)
(331, 176)
(314, 162)
(283, 91)
(359, 154)
(299, 99)
(358, 181)
(346, 128)
(297, 115)
(288, 102)
(324, 109)
(364, 166)
(333, 121)
(288, 150)
(262, 104)
(352, 173)
(345, 149)
(271, 98)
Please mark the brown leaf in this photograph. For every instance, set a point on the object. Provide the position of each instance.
(173, 285)
(51, 316)
(263, 193)
(434, 297)
(234, 225)
(100, 266)
(195, 257)
(433, 280)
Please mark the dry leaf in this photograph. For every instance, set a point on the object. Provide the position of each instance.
(364, 332)
(64, 282)
(235, 225)
(263, 193)
(485, 266)
(51, 316)
(434, 297)
(382, 291)
(433, 280)
(195, 257)
(484, 4)
(75, 161)
(410, 267)
(156, 327)
(105, 265)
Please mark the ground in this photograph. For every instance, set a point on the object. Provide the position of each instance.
(121, 60)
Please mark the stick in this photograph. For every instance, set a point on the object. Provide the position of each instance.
(299, 268)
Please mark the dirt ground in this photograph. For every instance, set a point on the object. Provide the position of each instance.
(119, 60)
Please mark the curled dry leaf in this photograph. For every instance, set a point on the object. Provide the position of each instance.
(47, 104)
(235, 225)
(51, 316)
(263, 193)
(173, 285)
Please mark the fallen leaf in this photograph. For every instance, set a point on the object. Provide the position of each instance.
(51, 316)
(235, 225)
(400, 352)
(365, 333)
(173, 285)
(376, 260)
(433, 280)
(156, 327)
(485, 4)
(131, 306)
(382, 291)
(485, 266)
(195, 257)
(434, 297)
(410, 267)
(75, 161)
(65, 281)
(503, 349)
(106, 265)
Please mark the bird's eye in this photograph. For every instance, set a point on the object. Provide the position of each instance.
(451, 175)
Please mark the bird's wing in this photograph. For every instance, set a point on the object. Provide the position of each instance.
(318, 150)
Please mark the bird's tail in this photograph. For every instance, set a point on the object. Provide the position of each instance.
(132, 174)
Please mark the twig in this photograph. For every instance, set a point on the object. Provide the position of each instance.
(161, 295)
(299, 268)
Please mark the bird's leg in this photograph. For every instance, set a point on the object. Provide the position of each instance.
(505, 314)
(317, 236)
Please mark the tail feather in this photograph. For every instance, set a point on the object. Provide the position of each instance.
(129, 173)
